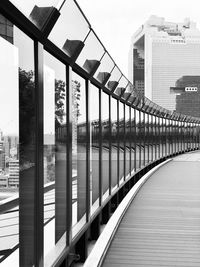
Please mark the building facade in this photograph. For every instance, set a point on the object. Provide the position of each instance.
(13, 180)
(188, 95)
(168, 51)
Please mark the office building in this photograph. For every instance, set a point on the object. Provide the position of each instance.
(188, 95)
(162, 52)
(2, 156)
(3, 181)
(13, 180)
(6, 29)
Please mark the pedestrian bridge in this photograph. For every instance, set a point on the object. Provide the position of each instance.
(77, 143)
(158, 222)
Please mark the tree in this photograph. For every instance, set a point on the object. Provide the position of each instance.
(59, 102)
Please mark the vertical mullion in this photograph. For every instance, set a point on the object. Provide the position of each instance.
(169, 126)
(100, 151)
(166, 133)
(163, 136)
(110, 148)
(124, 139)
(118, 151)
(139, 138)
(148, 137)
(152, 138)
(135, 140)
(144, 137)
(69, 154)
(39, 179)
(182, 136)
(158, 132)
(88, 138)
(129, 140)
(155, 138)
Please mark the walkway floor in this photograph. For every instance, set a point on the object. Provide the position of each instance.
(162, 225)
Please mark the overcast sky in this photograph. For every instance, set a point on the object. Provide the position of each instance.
(115, 21)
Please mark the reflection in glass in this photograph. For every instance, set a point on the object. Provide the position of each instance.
(114, 147)
(121, 141)
(137, 122)
(78, 152)
(163, 138)
(133, 141)
(142, 138)
(146, 129)
(16, 163)
(95, 131)
(105, 142)
(54, 153)
(127, 140)
(168, 136)
(154, 137)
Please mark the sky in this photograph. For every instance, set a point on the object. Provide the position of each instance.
(115, 21)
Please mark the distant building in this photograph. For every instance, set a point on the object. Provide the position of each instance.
(7, 145)
(188, 101)
(13, 180)
(161, 52)
(2, 156)
(3, 181)
(6, 29)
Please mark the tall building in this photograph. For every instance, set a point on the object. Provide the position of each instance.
(2, 156)
(162, 52)
(6, 29)
(188, 95)
(13, 180)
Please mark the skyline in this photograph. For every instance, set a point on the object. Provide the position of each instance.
(122, 19)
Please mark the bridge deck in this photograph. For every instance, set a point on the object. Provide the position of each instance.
(162, 225)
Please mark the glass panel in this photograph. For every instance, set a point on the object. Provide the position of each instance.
(137, 121)
(127, 140)
(142, 138)
(78, 152)
(146, 138)
(160, 137)
(164, 137)
(184, 138)
(122, 84)
(115, 76)
(71, 25)
(54, 154)
(94, 146)
(130, 89)
(175, 136)
(133, 128)
(154, 137)
(105, 143)
(37, 11)
(106, 65)
(121, 141)
(114, 147)
(17, 163)
(168, 137)
(150, 139)
(93, 50)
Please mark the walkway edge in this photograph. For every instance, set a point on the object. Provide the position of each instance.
(97, 254)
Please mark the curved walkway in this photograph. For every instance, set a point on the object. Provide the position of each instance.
(162, 225)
